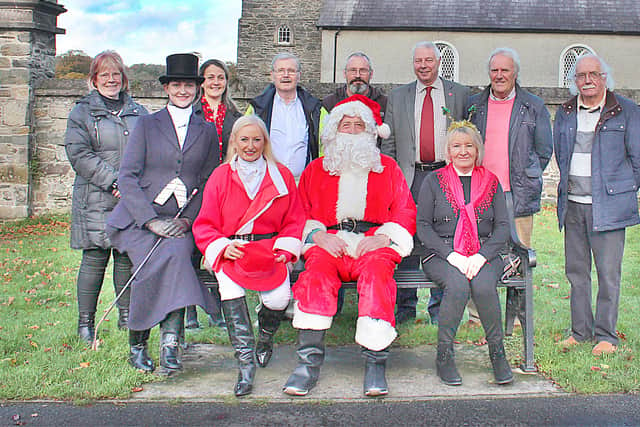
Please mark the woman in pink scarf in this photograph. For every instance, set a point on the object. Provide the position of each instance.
(463, 224)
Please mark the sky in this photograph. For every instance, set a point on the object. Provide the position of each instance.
(146, 31)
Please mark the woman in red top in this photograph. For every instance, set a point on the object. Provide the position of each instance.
(249, 228)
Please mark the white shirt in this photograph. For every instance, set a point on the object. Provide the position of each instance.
(289, 134)
(251, 174)
(439, 119)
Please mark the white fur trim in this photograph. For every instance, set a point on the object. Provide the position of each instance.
(277, 178)
(384, 131)
(289, 244)
(352, 194)
(309, 226)
(317, 322)
(374, 334)
(213, 251)
(402, 240)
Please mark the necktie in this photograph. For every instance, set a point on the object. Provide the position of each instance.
(427, 148)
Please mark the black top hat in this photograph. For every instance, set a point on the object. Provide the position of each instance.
(181, 66)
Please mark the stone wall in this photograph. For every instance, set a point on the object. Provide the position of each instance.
(54, 99)
(257, 37)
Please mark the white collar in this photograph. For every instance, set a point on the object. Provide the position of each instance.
(509, 97)
(180, 116)
(462, 173)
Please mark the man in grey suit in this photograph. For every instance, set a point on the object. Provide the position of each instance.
(417, 143)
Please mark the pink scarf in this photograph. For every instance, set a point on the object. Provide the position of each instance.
(483, 187)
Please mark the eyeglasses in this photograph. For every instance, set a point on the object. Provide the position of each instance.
(593, 75)
(283, 71)
(360, 71)
(107, 76)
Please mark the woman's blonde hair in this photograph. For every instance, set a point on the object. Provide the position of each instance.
(470, 131)
(105, 59)
(241, 123)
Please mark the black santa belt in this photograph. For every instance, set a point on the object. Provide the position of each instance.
(252, 237)
(353, 225)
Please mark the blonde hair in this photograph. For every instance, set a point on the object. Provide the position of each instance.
(472, 132)
(241, 123)
(105, 59)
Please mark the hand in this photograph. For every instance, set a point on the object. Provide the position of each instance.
(283, 256)
(371, 243)
(163, 227)
(234, 251)
(459, 261)
(330, 243)
(476, 262)
(182, 224)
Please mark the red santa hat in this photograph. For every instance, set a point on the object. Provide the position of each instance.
(257, 269)
(367, 109)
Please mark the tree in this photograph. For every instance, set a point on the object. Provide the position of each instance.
(73, 64)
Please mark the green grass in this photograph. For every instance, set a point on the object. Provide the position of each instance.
(41, 356)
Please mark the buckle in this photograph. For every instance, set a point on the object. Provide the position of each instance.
(245, 237)
(348, 224)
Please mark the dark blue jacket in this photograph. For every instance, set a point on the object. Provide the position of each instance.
(615, 161)
(530, 145)
(262, 105)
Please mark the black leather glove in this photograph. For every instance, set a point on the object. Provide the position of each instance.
(166, 227)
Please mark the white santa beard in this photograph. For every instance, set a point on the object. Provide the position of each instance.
(352, 151)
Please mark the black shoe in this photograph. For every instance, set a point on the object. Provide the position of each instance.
(446, 365)
(192, 318)
(241, 336)
(403, 316)
(123, 319)
(138, 355)
(375, 383)
(269, 321)
(501, 369)
(86, 326)
(170, 352)
(310, 358)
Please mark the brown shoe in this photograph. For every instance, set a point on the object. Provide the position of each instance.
(568, 343)
(603, 347)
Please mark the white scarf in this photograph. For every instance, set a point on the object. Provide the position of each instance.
(180, 118)
(251, 174)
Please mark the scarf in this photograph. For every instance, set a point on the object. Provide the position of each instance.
(218, 119)
(483, 187)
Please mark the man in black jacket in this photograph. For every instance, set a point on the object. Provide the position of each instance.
(291, 114)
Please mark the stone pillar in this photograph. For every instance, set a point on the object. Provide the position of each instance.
(27, 56)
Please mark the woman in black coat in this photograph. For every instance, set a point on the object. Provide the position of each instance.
(171, 153)
(97, 132)
(463, 224)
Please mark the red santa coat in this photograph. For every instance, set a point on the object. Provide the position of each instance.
(382, 198)
(228, 210)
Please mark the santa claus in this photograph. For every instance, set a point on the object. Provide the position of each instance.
(360, 222)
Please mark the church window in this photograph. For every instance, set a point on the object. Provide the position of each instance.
(448, 61)
(568, 59)
(284, 35)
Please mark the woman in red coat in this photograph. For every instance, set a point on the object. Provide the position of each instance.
(249, 228)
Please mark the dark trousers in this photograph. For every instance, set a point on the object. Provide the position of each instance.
(91, 275)
(607, 248)
(456, 292)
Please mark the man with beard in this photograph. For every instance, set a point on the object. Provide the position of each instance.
(360, 223)
(357, 72)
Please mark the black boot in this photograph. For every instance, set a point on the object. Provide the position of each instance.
(123, 318)
(269, 321)
(501, 369)
(514, 310)
(86, 326)
(241, 336)
(310, 357)
(216, 319)
(446, 365)
(138, 355)
(192, 318)
(170, 340)
(375, 383)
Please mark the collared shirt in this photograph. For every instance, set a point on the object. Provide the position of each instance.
(180, 118)
(439, 119)
(251, 174)
(509, 97)
(289, 134)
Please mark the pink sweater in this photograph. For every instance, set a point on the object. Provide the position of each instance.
(496, 143)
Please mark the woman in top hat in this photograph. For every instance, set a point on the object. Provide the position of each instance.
(170, 155)
(97, 132)
(217, 107)
(249, 227)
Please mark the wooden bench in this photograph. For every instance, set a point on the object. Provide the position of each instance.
(522, 281)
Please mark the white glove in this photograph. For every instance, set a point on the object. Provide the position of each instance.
(476, 262)
(460, 262)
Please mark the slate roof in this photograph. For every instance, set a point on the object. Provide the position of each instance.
(581, 16)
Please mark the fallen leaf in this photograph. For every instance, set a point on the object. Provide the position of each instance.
(85, 364)
(34, 327)
(10, 300)
(47, 349)
(567, 297)
(553, 285)
(136, 389)
(604, 366)
(595, 368)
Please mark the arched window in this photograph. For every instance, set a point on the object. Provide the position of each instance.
(568, 59)
(448, 61)
(284, 35)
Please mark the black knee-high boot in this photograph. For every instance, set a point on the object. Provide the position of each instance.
(170, 329)
(501, 369)
(310, 358)
(241, 336)
(121, 274)
(138, 355)
(269, 321)
(86, 326)
(192, 318)
(446, 364)
(375, 383)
